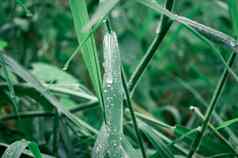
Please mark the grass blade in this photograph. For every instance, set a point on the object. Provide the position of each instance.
(16, 149)
(212, 34)
(151, 134)
(160, 35)
(34, 149)
(111, 133)
(204, 104)
(63, 82)
(215, 50)
(211, 106)
(22, 73)
(88, 48)
(133, 116)
(214, 130)
(227, 123)
(104, 8)
(233, 8)
(216, 94)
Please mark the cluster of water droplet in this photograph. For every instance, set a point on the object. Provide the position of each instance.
(109, 139)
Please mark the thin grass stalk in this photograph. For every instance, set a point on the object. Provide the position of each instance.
(213, 47)
(222, 155)
(213, 129)
(133, 116)
(102, 11)
(192, 131)
(152, 120)
(160, 35)
(32, 114)
(216, 93)
(212, 106)
(212, 34)
(232, 73)
(205, 104)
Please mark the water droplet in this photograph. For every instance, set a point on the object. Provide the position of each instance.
(113, 93)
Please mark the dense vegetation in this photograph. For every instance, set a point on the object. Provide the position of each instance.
(118, 78)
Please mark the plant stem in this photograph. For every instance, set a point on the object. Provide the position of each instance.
(214, 35)
(212, 106)
(22, 115)
(152, 120)
(133, 116)
(218, 134)
(160, 35)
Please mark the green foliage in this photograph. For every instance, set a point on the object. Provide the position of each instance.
(233, 5)
(16, 149)
(227, 123)
(80, 15)
(158, 58)
(3, 44)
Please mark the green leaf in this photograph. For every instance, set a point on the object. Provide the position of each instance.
(50, 73)
(26, 153)
(34, 149)
(233, 7)
(30, 79)
(207, 145)
(183, 134)
(63, 82)
(16, 149)
(113, 100)
(227, 123)
(156, 141)
(72, 90)
(215, 50)
(104, 8)
(89, 52)
(214, 35)
(129, 149)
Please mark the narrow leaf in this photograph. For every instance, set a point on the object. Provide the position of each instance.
(104, 8)
(109, 139)
(89, 52)
(151, 134)
(30, 79)
(233, 7)
(33, 147)
(16, 149)
(214, 35)
(227, 123)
